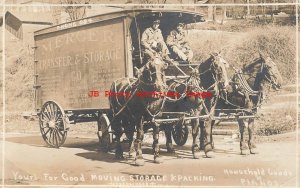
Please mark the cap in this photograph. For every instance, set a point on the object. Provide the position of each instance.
(181, 24)
(156, 21)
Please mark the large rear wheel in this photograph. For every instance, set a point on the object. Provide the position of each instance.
(53, 124)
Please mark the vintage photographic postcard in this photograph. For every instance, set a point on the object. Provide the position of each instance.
(127, 93)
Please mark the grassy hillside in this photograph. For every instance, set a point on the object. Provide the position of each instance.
(240, 48)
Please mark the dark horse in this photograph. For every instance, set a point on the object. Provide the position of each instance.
(133, 107)
(211, 77)
(248, 90)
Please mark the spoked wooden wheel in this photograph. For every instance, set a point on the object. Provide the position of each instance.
(180, 134)
(104, 132)
(53, 124)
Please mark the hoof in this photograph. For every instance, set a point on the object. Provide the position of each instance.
(171, 150)
(245, 152)
(132, 153)
(210, 154)
(118, 157)
(202, 147)
(158, 160)
(139, 162)
(254, 151)
(196, 155)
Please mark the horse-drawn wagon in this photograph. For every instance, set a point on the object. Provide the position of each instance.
(76, 62)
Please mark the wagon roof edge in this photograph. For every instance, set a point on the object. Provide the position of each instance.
(119, 13)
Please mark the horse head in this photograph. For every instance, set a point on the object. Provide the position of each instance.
(219, 68)
(152, 75)
(271, 73)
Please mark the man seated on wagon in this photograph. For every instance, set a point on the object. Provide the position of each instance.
(153, 43)
(177, 41)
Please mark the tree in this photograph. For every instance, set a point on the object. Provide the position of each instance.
(74, 9)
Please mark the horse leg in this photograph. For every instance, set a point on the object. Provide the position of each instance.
(202, 135)
(129, 135)
(157, 158)
(211, 133)
(243, 146)
(195, 133)
(213, 123)
(119, 149)
(251, 144)
(139, 160)
(118, 131)
(168, 133)
(207, 139)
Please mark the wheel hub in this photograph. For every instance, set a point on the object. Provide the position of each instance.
(51, 124)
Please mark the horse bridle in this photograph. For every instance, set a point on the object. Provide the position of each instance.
(264, 73)
(211, 69)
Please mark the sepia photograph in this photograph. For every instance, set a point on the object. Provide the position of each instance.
(149, 93)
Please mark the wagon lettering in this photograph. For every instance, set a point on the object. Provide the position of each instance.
(58, 42)
(69, 38)
(108, 36)
(57, 62)
(85, 21)
(85, 58)
(76, 76)
(65, 26)
(78, 38)
(99, 56)
(74, 24)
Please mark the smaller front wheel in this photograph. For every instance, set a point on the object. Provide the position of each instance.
(180, 134)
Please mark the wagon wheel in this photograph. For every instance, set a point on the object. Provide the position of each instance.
(53, 124)
(104, 129)
(180, 134)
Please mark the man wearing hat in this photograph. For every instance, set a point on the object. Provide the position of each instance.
(178, 43)
(153, 42)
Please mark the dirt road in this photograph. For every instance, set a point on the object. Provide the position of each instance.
(82, 162)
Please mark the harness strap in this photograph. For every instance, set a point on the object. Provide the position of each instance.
(245, 85)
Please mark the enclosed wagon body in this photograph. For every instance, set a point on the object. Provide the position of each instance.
(75, 58)
(76, 62)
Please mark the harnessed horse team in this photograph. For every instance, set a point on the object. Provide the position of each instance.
(246, 91)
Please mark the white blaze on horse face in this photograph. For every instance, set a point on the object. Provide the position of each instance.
(157, 77)
(224, 64)
(273, 71)
(157, 61)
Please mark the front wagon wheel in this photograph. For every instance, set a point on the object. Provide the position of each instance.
(180, 134)
(104, 132)
(53, 124)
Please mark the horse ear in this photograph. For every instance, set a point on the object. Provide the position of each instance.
(147, 66)
(261, 54)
